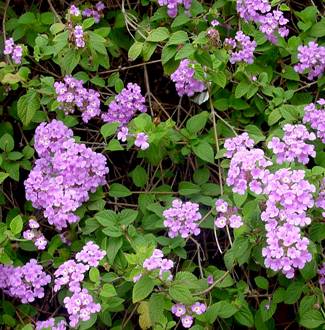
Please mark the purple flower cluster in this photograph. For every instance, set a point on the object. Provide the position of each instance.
(158, 262)
(24, 282)
(78, 34)
(71, 273)
(96, 12)
(184, 80)
(141, 141)
(172, 5)
(244, 48)
(315, 117)
(80, 306)
(227, 215)
(321, 273)
(294, 145)
(289, 196)
(34, 234)
(182, 219)
(248, 167)
(184, 313)
(50, 324)
(91, 254)
(15, 51)
(64, 175)
(71, 93)
(311, 60)
(123, 108)
(74, 11)
(271, 23)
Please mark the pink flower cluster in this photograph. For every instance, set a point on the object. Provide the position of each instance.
(185, 314)
(184, 80)
(248, 166)
(78, 34)
(64, 175)
(123, 108)
(141, 139)
(182, 219)
(315, 117)
(311, 60)
(289, 196)
(158, 262)
(74, 11)
(71, 273)
(80, 306)
(172, 5)
(227, 215)
(71, 94)
(96, 12)
(244, 48)
(15, 51)
(35, 235)
(271, 23)
(50, 324)
(24, 282)
(294, 145)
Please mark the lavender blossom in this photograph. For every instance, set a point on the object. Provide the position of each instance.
(172, 5)
(182, 219)
(315, 117)
(184, 80)
(244, 48)
(123, 108)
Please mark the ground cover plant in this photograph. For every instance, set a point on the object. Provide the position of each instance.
(162, 164)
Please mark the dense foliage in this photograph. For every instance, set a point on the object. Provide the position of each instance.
(162, 164)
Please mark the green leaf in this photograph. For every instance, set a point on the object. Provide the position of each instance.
(181, 293)
(178, 38)
(274, 117)
(57, 27)
(108, 291)
(255, 133)
(87, 23)
(244, 316)
(109, 129)
(97, 43)
(139, 176)
(16, 225)
(185, 52)
(159, 34)
(222, 309)
(180, 20)
(27, 18)
(148, 49)
(142, 288)
(27, 106)
(7, 142)
(188, 188)
(127, 216)
(135, 50)
(114, 145)
(293, 292)
(69, 60)
(114, 244)
(242, 88)
(317, 232)
(204, 151)
(318, 29)
(312, 319)
(197, 122)
(3, 176)
(94, 275)
(219, 78)
(118, 190)
(262, 282)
